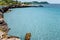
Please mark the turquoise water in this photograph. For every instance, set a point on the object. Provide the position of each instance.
(42, 23)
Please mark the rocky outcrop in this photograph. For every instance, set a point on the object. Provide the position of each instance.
(4, 9)
(11, 38)
(3, 24)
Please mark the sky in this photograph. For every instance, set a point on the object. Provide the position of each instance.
(50, 1)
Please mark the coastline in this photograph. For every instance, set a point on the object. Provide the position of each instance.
(4, 26)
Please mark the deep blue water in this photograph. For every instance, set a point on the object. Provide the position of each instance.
(43, 23)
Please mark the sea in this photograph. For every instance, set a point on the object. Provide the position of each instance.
(42, 22)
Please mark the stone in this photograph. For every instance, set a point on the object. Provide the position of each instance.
(28, 36)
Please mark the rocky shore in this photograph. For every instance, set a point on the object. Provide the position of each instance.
(4, 27)
(17, 6)
(3, 24)
(24, 6)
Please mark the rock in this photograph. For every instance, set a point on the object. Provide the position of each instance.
(13, 38)
(1, 13)
(2, 33)
(28, 36)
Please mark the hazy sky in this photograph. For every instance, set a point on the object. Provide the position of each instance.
(50, 1)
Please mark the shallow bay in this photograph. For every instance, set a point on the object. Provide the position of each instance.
(43, 23)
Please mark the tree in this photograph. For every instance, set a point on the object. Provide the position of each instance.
(7, 1)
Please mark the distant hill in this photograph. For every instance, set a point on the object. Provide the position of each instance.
(36, 2)
(43, 3)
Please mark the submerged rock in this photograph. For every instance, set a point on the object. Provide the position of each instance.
(27, 36)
